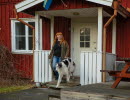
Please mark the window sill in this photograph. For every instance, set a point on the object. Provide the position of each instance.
(22, 52)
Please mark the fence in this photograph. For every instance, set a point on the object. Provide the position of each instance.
(42, 67)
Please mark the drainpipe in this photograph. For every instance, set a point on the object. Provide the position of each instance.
(115, 6)
(128, 9)
(33, 30)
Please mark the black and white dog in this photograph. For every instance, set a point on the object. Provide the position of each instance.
(65, 67)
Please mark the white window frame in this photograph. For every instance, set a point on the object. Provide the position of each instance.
(85, 40)
(13, 41)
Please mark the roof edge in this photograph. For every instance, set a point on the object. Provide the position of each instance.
(103, 2)
(26, 4)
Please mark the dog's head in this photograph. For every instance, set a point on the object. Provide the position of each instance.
(59, 65)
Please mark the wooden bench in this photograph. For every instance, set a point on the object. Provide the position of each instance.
(110, 72)
(120, 74)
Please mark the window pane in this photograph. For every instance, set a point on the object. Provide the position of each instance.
(20, 43)
(30, 43)
(87, 44)
(82, 31)
(30, 30)
(87, 31)
(87, 38)
(81, 38)
(19, 28)
(81, 44)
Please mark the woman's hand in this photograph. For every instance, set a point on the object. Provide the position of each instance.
(65, 57)
(49, 57)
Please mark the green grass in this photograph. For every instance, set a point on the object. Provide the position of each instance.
(14, 88)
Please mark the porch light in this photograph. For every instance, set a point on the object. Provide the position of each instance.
(76, 13)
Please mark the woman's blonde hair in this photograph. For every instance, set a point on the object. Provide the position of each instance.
(58, 33)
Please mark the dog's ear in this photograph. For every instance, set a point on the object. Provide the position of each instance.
(69, 60)
(60, 65)
(66, 62)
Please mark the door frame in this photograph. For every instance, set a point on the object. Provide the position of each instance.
(72, 39)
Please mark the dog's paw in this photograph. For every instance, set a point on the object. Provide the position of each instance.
(68, 80)
(57, 86)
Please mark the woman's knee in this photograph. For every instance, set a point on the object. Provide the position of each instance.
(54, 62)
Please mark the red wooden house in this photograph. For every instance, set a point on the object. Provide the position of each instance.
(81, 22)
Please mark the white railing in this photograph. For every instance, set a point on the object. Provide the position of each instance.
(91, 64)
(42, 69)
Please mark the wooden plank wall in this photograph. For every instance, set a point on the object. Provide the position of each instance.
(126, 3)
(62, 24)
(109, 35)
(71, 4)
(46, 24)
(123, 38)
(22, 62)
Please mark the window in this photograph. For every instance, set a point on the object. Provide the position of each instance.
(85, 37)
(22, 37)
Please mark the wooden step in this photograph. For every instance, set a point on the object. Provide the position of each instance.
(72, 83)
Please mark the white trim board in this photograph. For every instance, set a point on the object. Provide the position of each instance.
(114, 37)
(103, 2)
(26, 4)
(52, 30)
(100, 29)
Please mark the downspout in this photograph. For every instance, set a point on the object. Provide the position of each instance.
(33, 30)
(115, 6)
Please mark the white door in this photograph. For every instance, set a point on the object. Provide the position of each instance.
(84, 38)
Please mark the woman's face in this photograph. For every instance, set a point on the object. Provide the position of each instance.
(59, 37)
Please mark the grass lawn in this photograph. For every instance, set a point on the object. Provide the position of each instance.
(15, 88)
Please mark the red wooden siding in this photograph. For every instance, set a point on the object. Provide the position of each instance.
(24, 65)
(109, 36)
(123, 37)
(71, 4)
(126, 3)
(62, 24)
(24, 62)
(10, 1)
(46, 33)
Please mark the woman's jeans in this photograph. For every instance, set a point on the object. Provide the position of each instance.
(55, 61)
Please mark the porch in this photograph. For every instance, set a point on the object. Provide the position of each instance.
(88, 59)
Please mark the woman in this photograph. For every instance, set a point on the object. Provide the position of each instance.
(60, 50)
